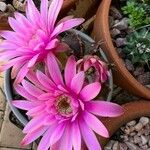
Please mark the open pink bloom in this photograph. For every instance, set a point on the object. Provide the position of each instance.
(34, 36)
(63, 111)
(95, 69)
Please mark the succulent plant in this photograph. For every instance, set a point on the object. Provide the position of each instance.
(138, 47)
(138, 13)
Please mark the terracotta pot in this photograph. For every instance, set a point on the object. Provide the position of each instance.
(133, 110)
(68, 4)
(122, 76)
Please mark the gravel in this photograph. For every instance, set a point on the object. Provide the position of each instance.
(135, 135)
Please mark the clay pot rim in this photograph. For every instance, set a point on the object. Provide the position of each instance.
(133, 110)
(102, 12)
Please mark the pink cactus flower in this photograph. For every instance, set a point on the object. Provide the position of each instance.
(95, 69)
(34, 36)
(63, 111)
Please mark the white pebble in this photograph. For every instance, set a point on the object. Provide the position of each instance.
(139, 126)
(144, 120)
(131, 123)
(3, 6)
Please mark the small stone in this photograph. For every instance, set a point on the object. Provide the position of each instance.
(115, 13)
(125, 138)
(116, 146)
(129, 65)
(137, 139)
(121, 42)
(144, 147)
(3, 6)
(10, 8)
(122, 25)
(139, 126)
(127, 130)
(123, 146)
(144, 139)
(131, 123)
(132, 146)
(138, 71)
(121, 53)
(144, 78)
(109, 145)
(144, 120)
(149, 142)
(114, 32)
(111, 21)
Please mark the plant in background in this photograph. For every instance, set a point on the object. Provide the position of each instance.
(138, 13)
(34, 36)
(61, 104)
(138, 47)
(96, 70)
(64, 111)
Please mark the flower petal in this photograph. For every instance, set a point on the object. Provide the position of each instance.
(32, 61)
(53, 12)
(97, 125)
(45, 141)
(77, 82)
(30, 88)
(104, 109)
(30, 137)
(44, 80)
(57, 134)
(54, 69)
(70, 70)
(21, 91)
(34, 124)
(89, 137)
(69, 24)
(24, 104)
(31, 12)
(90, 91)
(76, 136)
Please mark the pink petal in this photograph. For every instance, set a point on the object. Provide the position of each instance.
(57, 134)
(67, 143)
(44, 11)
(90, 91)
(70, 70)
(65, 19)
(53, 12)
(32, 89)
(45, 96)
(19, 89)
(97, 125)
(77, 82)
(21, 74)
(56, 31)
(31, 12)
(36, 110)
(61, 47)
(23, 104)
(30, 137)
(16, 26)
(54, 69)
(104, 109)
(32, 77)
(69, 24)
(45, 141)
(76, 136)
(44, 80)
(89, 137)
(34, 124)
(32, 61)
(7, 45)
(52, 44)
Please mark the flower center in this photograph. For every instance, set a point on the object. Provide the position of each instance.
(90, 74)
(63, 106)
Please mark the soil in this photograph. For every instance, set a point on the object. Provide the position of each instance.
(119, 29)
